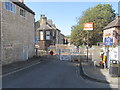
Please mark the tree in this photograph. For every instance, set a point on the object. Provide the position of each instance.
(101, 15)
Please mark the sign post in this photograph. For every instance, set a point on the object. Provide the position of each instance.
(88, 26)
(108, 41)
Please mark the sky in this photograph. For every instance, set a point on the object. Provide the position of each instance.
(64, 14)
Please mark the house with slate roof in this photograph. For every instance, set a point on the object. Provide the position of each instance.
(47, 33)
(112, 30)
(17, 31)
(111, 40)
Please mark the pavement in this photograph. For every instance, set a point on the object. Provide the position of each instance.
(21, 65)
(89, 71)
(17, 66)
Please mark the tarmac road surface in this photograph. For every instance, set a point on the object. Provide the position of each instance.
(50, 74)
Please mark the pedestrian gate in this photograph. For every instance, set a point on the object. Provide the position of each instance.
(65, 54)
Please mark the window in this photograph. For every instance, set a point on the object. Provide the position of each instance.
(47, 35)
(10, 6)
(41, 35)
(22, 12)
(53, 33)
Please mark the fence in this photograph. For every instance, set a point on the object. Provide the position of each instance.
(70, 53)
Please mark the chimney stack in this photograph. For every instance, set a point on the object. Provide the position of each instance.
(43, 21)
(22, 1)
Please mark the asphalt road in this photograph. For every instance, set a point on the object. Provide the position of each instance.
(50, 74)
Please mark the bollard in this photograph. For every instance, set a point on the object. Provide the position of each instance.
(94, 64)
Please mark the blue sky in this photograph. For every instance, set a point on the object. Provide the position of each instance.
(64, 14)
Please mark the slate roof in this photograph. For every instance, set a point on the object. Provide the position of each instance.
(44, 28)
(52, 26)
(114, 23)
(47, 27)
(22, 5)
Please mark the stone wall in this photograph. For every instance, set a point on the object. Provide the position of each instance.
(93, 53)
(96, 53)
(18, 35)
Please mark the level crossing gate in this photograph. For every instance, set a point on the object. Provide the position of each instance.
(65, 54)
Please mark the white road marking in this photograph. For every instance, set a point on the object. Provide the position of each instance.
(19, 70)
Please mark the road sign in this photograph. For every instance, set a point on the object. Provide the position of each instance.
(88, 26)
(108, 41)
(35, 40)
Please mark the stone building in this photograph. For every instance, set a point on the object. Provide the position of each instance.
(112, 31)
(17, 31)
(47, 33)
(111, 40)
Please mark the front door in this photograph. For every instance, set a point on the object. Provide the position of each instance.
(25, 53)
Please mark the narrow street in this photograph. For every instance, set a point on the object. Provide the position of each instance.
(59, 44)
(50, 74)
